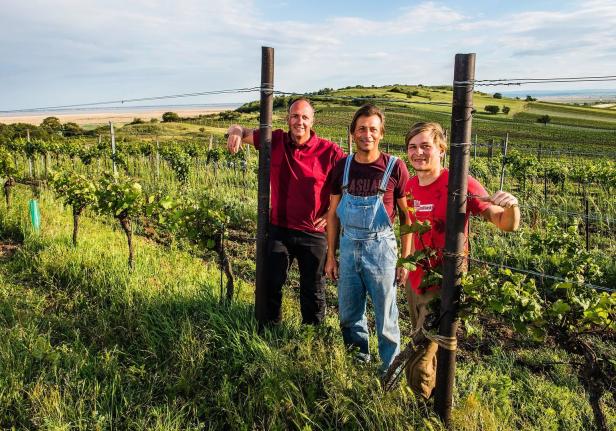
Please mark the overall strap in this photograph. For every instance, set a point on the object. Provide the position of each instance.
(347, 168)
(388, 169)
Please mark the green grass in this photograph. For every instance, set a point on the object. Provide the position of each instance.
(87, 345)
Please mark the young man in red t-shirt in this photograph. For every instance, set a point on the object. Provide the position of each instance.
(427, 200)
(300, 164)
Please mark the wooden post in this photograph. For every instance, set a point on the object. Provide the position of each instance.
(453, 260)
(30, 165)
(502, 178)
(157, 159)
(113, 149)
(265, 140)
(98, 159)
(586, 224)
(349, 141)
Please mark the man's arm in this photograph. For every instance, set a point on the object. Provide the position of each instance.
(238, 134)
(333, 230)
(504, 212)
(406, 241)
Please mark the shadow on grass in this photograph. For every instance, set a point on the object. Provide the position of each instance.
(98, 351)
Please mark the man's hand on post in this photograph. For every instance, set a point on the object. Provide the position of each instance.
(234, 140)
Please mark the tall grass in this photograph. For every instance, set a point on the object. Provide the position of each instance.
(86, 345)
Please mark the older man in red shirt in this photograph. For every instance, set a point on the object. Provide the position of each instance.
(300, 164)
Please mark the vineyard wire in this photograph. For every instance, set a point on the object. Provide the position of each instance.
(590, 216)
(547, 151)
(523, 81)
(140, 99)
(542, 275)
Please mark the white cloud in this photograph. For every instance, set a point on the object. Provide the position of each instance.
(86, 50)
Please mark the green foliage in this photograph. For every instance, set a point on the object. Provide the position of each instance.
(52, 124)
(7, 164)
(74, 189)
(506, 109)
(230, 115)
(72, 129)
(545, 119)
(178, 160)
(497, 96)
(492, 109)
(169, 117)
(120, 197)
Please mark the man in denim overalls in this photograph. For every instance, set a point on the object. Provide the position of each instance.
(366, 189)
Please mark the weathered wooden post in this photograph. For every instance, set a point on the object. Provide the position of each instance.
(453, 259)
(504, 162)
(349, 141)
(30, 164)
(263, 206)
(113, 149)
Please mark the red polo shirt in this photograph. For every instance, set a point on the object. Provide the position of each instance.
(299, 192)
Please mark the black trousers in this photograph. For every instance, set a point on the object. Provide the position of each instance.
(309, 249)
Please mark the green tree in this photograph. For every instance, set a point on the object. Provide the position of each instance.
(506, 109)
(492, 109)
(7, 170)
(170, 117)
(52, 124)
(545, 119)
(76, 190)
(497, 96)
(122, 198)
(72, 129)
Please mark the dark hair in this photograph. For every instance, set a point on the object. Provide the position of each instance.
(368, 110)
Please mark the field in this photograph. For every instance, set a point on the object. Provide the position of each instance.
(167, 342)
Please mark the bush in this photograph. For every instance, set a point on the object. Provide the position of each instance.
(229, 115)
(497, 96)
(530, 98)
(492, 109)
(545, 119)
(169, 117)
(71, 129)
(506, 109)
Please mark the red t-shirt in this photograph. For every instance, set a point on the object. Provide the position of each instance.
(365, 178)
(298, 190)
(430, 203)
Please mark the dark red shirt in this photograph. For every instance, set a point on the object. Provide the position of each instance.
(365, 178)
(430, 203)
(299, 193)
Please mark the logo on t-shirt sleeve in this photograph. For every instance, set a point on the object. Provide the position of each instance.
(422, 208)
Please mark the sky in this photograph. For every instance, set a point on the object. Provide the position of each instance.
(80, 51)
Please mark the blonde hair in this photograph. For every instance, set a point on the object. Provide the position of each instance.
(435, 129)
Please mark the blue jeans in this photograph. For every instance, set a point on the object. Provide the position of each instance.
(368, 265)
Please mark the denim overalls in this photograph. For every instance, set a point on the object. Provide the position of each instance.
(368, 255)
